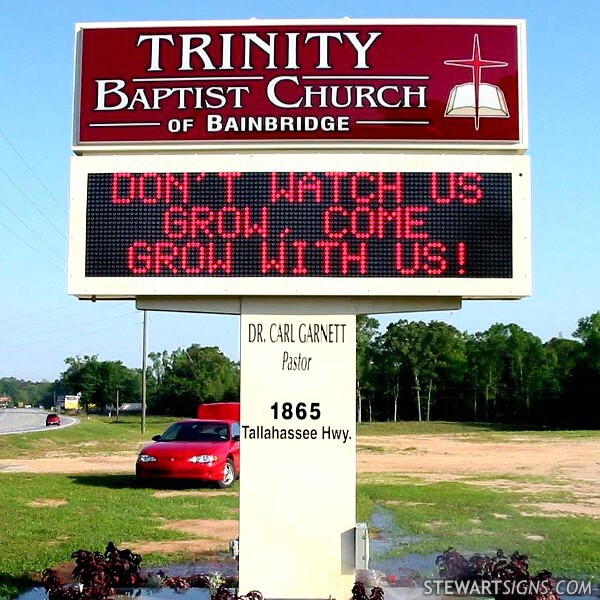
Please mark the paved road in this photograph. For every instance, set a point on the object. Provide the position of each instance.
(26, 420)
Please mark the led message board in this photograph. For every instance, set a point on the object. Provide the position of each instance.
(382, 225)
(433, 83)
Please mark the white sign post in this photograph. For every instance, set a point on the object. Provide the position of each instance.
(298, 448)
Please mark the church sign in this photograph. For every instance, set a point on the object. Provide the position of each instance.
(299, 173)
(361, 83)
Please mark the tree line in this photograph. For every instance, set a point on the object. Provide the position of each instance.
(411, 371)
(432, 371)
(177, 382)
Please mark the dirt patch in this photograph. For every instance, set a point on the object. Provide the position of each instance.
(440, 456)
(542, 465)
(555, 509)
(201, 493)
(452, 454)
(211, 536)
(436, 524)
(70, 465)
(46, 503)
(206, 528)
(193, 548)
(406, 503)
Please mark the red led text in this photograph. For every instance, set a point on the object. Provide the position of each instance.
(298, 224)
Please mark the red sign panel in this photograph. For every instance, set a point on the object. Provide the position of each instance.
(425, 83)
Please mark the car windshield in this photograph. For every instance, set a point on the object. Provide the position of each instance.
(196, 432)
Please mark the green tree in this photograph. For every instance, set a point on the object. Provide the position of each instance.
(485, 366)
(525, 362)
(421, 360)
(562, 358)
(588, 331)
(366, 330)
(443, 357)
(506, 367)
(401, 350)
(99, 381)
(197, 375)
(586, 379)
(27, 392)
(159, 363)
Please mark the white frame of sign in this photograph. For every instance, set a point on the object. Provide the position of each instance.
(517, 286)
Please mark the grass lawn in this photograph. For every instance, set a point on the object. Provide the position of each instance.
(94, 435)
(104, 435)
(476, 518)
(475, 431)
(46, 517)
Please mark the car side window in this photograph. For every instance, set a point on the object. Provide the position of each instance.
(235, 429)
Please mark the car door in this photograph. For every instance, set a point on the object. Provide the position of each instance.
(235, 446)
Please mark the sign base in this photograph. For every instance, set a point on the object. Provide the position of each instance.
(298, 448)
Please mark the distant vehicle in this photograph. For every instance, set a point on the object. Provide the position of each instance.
(204, 449)
(52, 420)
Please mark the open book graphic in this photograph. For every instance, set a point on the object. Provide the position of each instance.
(461, 102)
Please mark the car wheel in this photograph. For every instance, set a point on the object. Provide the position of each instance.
(228, 475)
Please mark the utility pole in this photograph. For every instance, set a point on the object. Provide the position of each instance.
(144, 359)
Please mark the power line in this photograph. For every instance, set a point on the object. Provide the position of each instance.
(67, 337)
(38, 210)
(61, 269)
(21, 337)
(39, 312)
(26, 225)
(39, 180)
(53, 320)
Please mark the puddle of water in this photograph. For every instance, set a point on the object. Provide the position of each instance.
(35, 593)
(227, 568)
(165, 593)
(410, 569)
(387, 535)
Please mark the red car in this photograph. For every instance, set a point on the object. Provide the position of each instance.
(196, 449)
(52, 420)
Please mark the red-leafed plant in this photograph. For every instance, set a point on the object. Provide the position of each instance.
(509, 573)
(359, 592)
(97, 575)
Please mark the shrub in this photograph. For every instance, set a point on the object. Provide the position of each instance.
(510, 573)
(97, 574)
